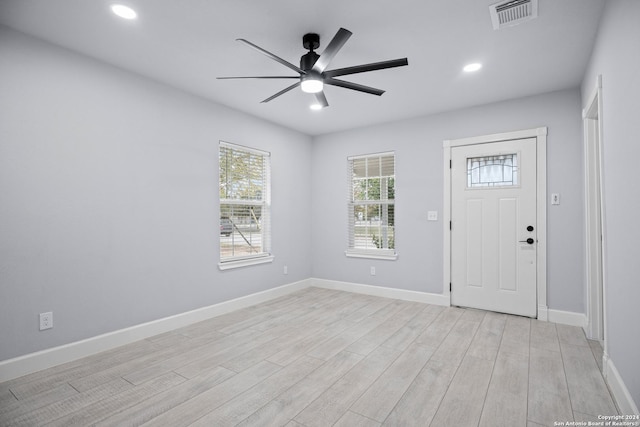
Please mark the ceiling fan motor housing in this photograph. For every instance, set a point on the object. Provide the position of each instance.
(307, 60)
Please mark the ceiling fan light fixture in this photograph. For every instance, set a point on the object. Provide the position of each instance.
(311, 83)
(316, 107)
(470, 68)
(123, 11)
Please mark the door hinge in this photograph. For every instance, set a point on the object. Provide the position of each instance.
(450, 226)
(450, 287)
(450, 163)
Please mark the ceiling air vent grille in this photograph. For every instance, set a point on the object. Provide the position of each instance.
(512, 12)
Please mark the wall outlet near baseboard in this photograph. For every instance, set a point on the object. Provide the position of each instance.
(373, 271)
(46, 320)
(285, 270)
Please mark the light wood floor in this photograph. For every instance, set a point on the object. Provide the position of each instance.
(320, 357)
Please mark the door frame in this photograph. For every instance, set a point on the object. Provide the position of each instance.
(540, 134)
(594, 220)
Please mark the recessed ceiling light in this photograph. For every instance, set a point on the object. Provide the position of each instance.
(316, 106)
(123, 11)
(470, 68)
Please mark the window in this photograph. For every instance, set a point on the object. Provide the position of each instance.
(372, 206)
(245, 237)
(492, 171)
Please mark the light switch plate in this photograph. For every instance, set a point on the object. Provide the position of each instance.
(555, 199)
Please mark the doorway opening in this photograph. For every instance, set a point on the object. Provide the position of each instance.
(520, 250)
(592, 117)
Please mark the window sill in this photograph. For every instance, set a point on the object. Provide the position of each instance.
(230, 265)
(388, 255)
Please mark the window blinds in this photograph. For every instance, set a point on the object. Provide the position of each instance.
(244, 202)
(371, 205)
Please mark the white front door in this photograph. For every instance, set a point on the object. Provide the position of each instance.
(494, 227)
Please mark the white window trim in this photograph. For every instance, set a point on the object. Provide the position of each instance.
(239, 263)
(381, 254)
(263, 258)
(384, 254)
(244, 148)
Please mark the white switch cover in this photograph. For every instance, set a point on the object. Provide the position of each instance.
(432, 216)
(555, 199)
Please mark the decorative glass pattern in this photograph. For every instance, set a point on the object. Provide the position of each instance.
(492, 171)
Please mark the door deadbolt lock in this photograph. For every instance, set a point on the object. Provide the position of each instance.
(530, 228)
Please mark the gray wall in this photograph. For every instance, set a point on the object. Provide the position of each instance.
(419, 180)
(616, 57)
(108, 190)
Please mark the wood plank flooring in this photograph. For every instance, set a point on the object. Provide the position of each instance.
(320, 357)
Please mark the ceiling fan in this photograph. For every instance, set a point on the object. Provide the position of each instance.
(313, 73)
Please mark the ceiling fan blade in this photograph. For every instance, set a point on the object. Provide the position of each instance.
(332, 49)
(354, 86)
(321, 99)
(259, 77)
(367, 67)
(283, 91)
(272, 56)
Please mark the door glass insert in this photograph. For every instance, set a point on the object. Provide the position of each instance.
(492, 171)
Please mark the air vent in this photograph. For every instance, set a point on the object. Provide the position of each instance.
(512, 12)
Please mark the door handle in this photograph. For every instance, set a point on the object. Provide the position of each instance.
(529, 241)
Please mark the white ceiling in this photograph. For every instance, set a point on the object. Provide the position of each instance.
(186, 44)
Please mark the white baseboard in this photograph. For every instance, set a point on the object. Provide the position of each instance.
(379, 291)
(33, 362)
(620, 392)
(567, 318)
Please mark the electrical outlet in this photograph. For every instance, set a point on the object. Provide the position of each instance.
(46, 320)
(373, 271)
(432, 216)
(285, 270)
